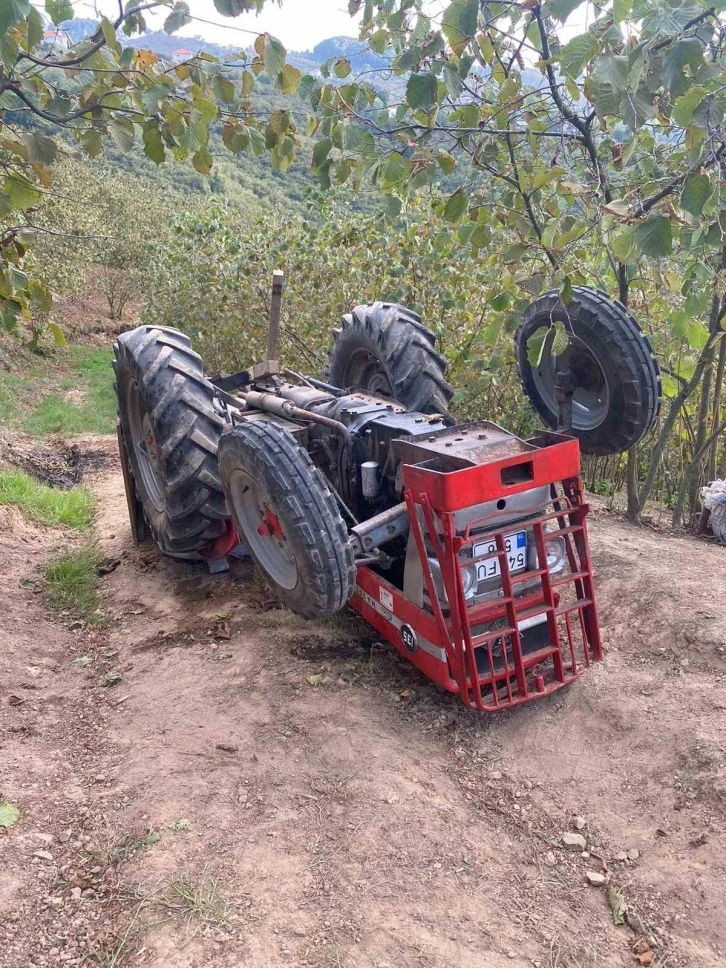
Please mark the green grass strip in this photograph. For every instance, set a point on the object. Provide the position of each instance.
(72, 582)
(47, 505)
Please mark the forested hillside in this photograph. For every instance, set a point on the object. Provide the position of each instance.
(459, 167)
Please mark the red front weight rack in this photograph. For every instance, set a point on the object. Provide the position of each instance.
(486, 651)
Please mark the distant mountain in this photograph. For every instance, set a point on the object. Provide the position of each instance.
(361, 57)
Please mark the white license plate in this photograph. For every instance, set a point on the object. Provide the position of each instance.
(516, 546)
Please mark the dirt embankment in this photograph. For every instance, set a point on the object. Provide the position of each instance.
(214, 808)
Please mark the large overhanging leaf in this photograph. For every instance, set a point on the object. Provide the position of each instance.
(272, 54)
(654, 237)
(421, 91)
(459, 23)
(696, 192)
(11, 11)
(577, 52)
(59, 10)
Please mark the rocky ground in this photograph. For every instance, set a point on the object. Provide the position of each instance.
(193, 793)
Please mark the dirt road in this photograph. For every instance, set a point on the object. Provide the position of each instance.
(218, 807)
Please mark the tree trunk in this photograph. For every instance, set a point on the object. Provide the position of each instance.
(631, 479)
(711, 470)
(689, 481)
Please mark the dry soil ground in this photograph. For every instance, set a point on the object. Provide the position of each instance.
(215, 809)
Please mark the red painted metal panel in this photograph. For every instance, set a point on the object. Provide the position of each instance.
(456, 490)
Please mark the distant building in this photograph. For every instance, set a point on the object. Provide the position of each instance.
(55, 38)
(181, 55)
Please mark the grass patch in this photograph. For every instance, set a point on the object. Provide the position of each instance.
(95, 413)
(194, 898)
(72, 582)
(72, 394)
(47, 505)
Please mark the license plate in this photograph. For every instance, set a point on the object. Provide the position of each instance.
(516, 547)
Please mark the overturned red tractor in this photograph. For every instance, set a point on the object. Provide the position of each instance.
(464, 545)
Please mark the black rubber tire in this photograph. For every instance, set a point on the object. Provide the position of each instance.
(158, 366)
(305, 508)
(400, 348)
(624, 355)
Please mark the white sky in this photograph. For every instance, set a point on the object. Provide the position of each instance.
(300, 24)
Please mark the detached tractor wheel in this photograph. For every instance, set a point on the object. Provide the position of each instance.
(287, 517)
(171, 431)
(615, 375)
(384, 349)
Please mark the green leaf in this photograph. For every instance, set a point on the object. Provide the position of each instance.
(452, 81)
(446, 161)
(122, 132)
(618, 905)
(623, 245)
(272, 53)
(622, 10)
(566, 292)
(578, 52)
(342, 67)
(9, 51)
(378, 41)
(654, 237)
(224, 89)
(288, 80)
(59, 10)
(696, 192)
(11, 11)
(9, 815)
(35, 28)
(178, 18)
(456, 205)
(563, 8)
(392, 206)
(686, 104)
(233, 8)
(92, 142)
(421, 92)
(697, 334)
(202, 161)
(459, 23)
(560, 340)
(500, 301)
(59, 337)
(21, 192)
(153, 142)
(41, 148)
(535, 345)
(688, 52)
(321, 152)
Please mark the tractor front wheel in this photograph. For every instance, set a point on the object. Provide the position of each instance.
(287, 517)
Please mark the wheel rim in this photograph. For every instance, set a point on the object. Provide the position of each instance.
(262, 530)
(144, 446)
(364, 370)
(591, 397)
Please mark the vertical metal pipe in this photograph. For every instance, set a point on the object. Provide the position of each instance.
(275, 304)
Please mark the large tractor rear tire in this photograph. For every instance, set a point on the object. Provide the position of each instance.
(384, 349)
(171, 431)
(287, 517)
(615, 373)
